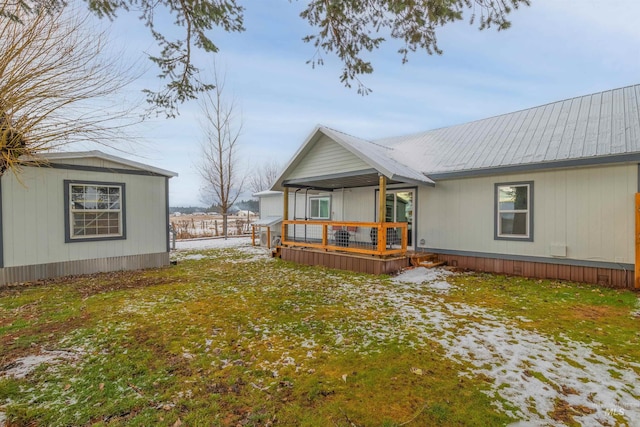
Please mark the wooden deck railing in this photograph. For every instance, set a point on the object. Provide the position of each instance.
(371, 238)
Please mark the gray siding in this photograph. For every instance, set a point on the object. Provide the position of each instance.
(33, 217)
(588, 210)
(271, 205)
(327, 157)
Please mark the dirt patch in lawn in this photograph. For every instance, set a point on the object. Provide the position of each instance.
(593, 312)
(92, 284)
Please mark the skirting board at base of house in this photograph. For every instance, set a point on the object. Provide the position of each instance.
(611, 277)
(29, 273)
(341, 261)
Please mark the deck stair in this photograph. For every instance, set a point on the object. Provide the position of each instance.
(276, 252)
(426, 260)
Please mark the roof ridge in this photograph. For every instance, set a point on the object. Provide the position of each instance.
(356, 137)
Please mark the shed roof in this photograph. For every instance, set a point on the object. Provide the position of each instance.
(127, 164)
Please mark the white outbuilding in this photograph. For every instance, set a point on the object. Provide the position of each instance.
(82, 213)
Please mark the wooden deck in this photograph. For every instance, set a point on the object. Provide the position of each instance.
(360, 238)
(345, 261)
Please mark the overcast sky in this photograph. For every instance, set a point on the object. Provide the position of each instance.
(556, 49)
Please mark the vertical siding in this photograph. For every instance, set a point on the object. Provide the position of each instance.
(327, 157)
(347, 262)
(33, 219)
(360, 204)
(271, 205)
(590, 210)
(27, 273)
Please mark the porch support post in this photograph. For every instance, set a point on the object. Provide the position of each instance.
(285, 208)
(382, 202)
(382, 213)
(285, 213)
(637, 244)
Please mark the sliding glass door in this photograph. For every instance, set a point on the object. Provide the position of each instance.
(400, 208)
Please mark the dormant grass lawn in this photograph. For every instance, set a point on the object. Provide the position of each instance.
(231, 337)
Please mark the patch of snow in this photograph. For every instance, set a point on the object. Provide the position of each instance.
(23, 366)
(212, 243)
(430, 277)
(636, 313)
(529, 370)
(3, 419)
(421, 275)
(195, 257)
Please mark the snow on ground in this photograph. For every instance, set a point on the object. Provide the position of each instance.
(23, 366)
(212, 243)
(531, 372)
(241, 243)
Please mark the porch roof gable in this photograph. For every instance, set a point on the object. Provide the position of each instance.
(377, 157)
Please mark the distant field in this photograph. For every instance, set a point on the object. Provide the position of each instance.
(194, 225)
(233, 337)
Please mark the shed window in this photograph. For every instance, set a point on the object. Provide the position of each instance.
(514, 218)
(95, 211)
(320, 207)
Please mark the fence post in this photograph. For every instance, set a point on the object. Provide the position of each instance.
(253, 235)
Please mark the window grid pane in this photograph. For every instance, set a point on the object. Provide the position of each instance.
(95, 211)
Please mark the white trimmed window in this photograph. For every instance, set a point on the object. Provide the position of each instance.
(95, 210)
(320, 207)
(514, 211)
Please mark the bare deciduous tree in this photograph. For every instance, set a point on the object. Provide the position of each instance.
(264, 176)
(54, 84)
(218, 166)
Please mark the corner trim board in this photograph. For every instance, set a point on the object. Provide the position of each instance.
(168, 223)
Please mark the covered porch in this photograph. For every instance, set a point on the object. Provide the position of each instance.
(374, 247)
(336, 210)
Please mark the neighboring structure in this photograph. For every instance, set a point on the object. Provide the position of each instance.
(546, 192)
(269, 226)
(81, 213)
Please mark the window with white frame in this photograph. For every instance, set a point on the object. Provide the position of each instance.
(514, 212)
(320, 207)
(95, 210)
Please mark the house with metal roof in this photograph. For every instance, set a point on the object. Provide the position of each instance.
(545, 192)
(82, 213)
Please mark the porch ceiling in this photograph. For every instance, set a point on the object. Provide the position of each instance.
(368, 178)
